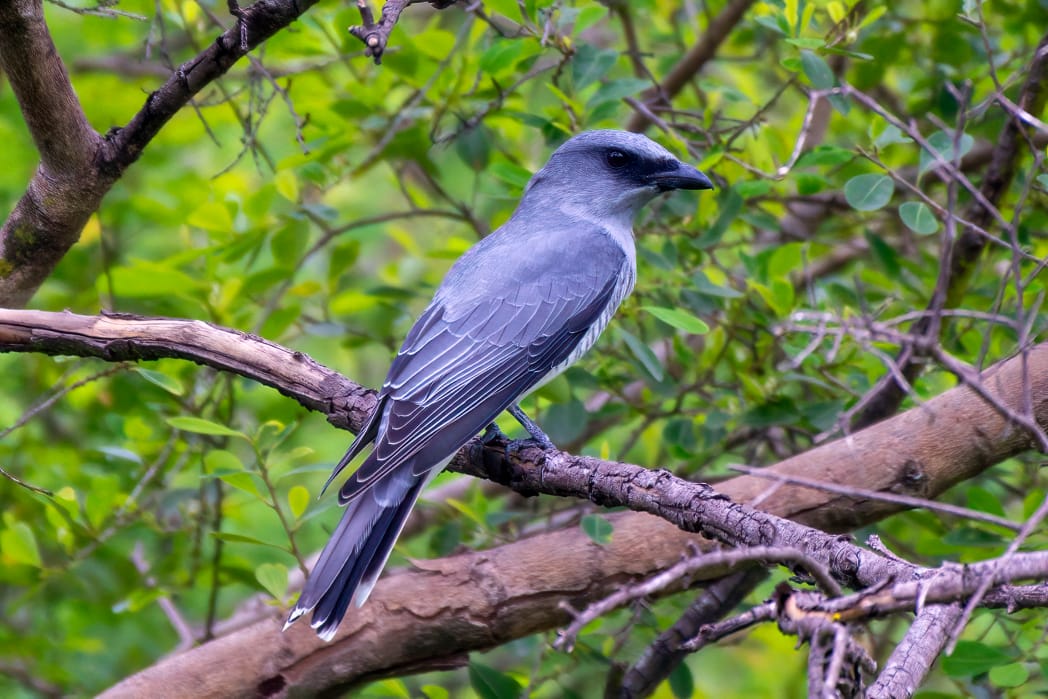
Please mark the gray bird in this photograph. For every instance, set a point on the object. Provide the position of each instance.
(513, 312)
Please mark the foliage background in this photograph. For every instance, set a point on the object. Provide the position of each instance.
(316, 199)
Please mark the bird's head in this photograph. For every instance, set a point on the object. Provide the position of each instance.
(610, 175)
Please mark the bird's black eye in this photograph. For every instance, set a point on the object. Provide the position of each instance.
(616, 158)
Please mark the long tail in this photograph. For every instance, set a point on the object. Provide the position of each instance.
(358, 549)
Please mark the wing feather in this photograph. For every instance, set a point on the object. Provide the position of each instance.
(454, 378)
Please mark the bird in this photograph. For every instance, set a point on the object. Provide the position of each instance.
(514, 311)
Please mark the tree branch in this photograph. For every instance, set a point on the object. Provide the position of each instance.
(375, 35)
(56, 121)
(37, 234)
(913, 658)
(699, 55)
(117, 337)
(445, 607)
(78, 166)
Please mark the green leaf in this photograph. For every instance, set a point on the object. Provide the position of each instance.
(199, 425)
(489, 683)
(829, 156)
(597, 528)
(289, 244)
(918, 218)
(971, 658)
(840, 103)
(682, 320)
(502, 54)
(511, 173)
(474, 147)
(507, 8)
(643, 354)
(287, 185)
(590, 64)
(18, 545)
(682, 684)
(704, 286)
(943, 142)
(587, 17)
(242, 539)
(615, 90)
(1010, 675)
(273, 579)
(886, 254)
(791, 13)
(808, 183)
(891, 135)
(869, 192)
(807, 43)
(148, 280)
(138, 600)
(983, 500)
(211, 216)
(818, 71)
(168, 383)
(432, 691)
(730, 207)
(298, 500)
(221, 460)
(242, 480)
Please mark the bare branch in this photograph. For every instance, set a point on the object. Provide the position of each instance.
(119, 337)
(48, 218)
(694, 563)
(375, 35)
(913, 657)
(851, 491)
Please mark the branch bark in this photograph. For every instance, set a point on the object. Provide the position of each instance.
(911, 659)
(441, 609)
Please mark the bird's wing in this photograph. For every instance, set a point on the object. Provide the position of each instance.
(464, 363)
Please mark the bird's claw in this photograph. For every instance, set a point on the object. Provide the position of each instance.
(492, 433)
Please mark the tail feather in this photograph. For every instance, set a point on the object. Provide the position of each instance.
(356, 553)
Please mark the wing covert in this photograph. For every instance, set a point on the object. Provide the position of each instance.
(463, 364)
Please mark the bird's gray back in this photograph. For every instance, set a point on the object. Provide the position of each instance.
(512, 312)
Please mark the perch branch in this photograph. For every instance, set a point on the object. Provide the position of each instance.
(443, 608)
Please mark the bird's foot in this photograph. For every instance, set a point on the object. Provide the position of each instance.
(492, 433)
(534, 430)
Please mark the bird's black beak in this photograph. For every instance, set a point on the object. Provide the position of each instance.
(681, 176)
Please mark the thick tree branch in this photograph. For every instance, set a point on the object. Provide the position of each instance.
(446, 607)
(77, 166)
(39, 80)
(117, 337)
(49, 216)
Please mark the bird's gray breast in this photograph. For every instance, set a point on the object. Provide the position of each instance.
(624, 285)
